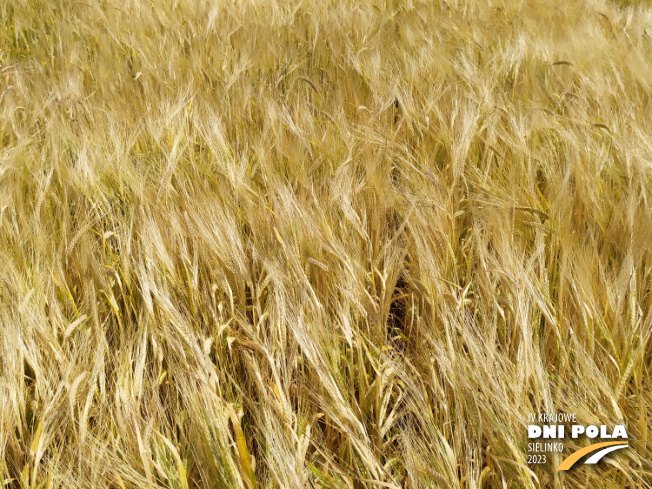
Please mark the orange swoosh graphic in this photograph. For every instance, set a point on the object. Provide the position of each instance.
(574, 457)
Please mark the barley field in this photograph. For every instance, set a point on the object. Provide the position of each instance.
(322, 244)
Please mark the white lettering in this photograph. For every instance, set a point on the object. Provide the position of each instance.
(549, 431)
(603, 432)
(619, 432)
(533, 431)
(577, 430)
